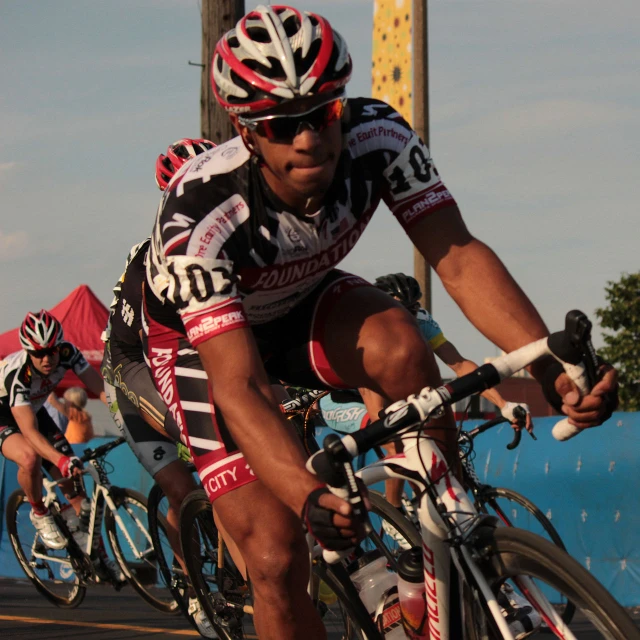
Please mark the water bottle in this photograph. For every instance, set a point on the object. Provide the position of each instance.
(412, 594)
(73, 524)
(85, 515)
(70, 517)
(378, 591)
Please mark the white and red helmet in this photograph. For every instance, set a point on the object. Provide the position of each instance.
(177, 154)
(40, 331)
(275, 54)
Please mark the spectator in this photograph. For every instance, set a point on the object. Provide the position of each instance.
(80, 427)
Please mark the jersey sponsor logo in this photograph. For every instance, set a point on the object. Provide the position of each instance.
(229, 152)
(278, 276)
(197, 165)
(381, 131)
(428, 202)
(128, 313)
(161, 362)
(217, 226)
(228, 478)
(371, 110)
(350, 414)
(178, 220)
(210, 326)
(159, 453)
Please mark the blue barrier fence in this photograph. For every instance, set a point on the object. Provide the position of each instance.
(589, 487)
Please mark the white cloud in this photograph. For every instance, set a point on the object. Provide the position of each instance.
(13, 245)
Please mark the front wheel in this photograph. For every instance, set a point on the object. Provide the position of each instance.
(514, 510)
(536, 569)
(132, 547)
(50, 570)
(221, 591)
(169, 569)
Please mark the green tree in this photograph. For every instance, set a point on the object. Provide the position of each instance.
(622, 318)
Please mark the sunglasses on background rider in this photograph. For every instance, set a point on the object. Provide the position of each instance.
(42, 353)
(286, 127)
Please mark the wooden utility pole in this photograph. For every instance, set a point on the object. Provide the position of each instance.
(421, 268)
(218, 16)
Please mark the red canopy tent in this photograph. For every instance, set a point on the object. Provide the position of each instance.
(83, 319)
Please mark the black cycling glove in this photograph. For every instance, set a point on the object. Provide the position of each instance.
(318, 521)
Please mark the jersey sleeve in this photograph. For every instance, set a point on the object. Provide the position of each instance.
(414, 188)
(20, 394)
(71, 358)
(189, 269)
(430, 329)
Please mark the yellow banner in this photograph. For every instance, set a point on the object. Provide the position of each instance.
(392, 79)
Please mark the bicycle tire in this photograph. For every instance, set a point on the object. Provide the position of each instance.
(14, 524)
(132, 568)
(382, 511)
(157, 528)
(196, 514)
(489, 495)
(506, 553)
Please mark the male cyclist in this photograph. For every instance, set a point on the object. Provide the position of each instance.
(241, 282)
(136, 406)
(28, 435)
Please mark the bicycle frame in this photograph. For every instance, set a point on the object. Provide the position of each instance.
(101, 498)
(448, 519)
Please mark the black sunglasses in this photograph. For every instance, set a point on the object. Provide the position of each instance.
(42, 353)
(287, 127)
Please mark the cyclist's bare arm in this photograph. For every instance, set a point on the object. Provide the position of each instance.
(94, 382)
(487, 294)
(27, 422)
(449, 354)
(242, 393)
(477, 280)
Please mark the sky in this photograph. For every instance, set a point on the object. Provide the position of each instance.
(535, 130)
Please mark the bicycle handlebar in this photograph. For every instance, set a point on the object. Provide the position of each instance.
(517, 433)
(98, 452)
(571, 347)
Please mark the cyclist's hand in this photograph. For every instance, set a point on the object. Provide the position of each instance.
(330, 521)
(593, 409)
(70, 466)
(507, 412)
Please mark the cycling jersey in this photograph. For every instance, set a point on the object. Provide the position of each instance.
(226, 252)
(124, 312)
(128, 386)
(430, 329)
(22, 384)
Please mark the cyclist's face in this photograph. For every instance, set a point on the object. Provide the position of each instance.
(47, 363)
(301, 167)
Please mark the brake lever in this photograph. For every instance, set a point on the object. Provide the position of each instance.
(573, 348)
(340, 462)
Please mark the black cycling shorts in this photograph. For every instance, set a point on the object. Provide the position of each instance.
(292, 350)
(46, 426)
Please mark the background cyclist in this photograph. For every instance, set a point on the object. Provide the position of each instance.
(28, 435)
(135, 405)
